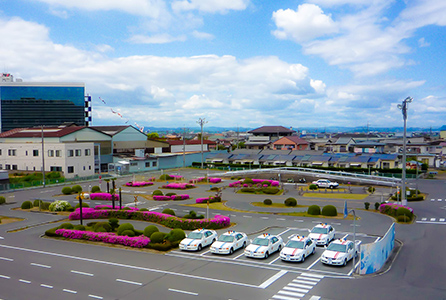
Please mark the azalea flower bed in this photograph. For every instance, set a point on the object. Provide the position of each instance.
(138, 183)
(178, 186)
(205, 200)
(103, 196)
(391, 208)
(106, 237)
(204, 179)
(173, 197)
(256, 182)
(167, 220)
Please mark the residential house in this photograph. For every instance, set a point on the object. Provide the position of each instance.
(262, 137)
(290, 143)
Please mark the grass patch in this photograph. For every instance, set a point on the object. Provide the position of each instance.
(261, 193)
(7, 220)
(336, 196)
(277, 205)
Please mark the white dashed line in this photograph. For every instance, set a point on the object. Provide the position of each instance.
(247, 216)
(96, 297)
(130, 282)
(5, 258)
(39, 265)
(46, 286)
(183, 292)
(280, 219)
(69, 291)
(81, 273)
(264, 218)
(5, 277)
(423, 219)
(299, 221)
(25, 281)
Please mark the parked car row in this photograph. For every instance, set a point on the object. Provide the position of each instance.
(297, 248)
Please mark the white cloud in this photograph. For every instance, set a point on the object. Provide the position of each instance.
(422, 43)
(202, 35)
(210, 6)
(306, 23)
(318, 85)
(156, 39)
(104, 48)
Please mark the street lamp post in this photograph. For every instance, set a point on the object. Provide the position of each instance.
(201, 122)
(403, 106)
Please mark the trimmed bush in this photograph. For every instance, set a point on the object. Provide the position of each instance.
(371, 189)
(59, 206)
(377, 204)
(313, 187)
(157, 237)
(248, 190)
(248, 181)
(138, 232)
(129, 233)
(69, 209)
(66, 226)
(176, 234)
(114, 223)
(37, 202)
(266, 182)
(143, 209)
(79, 227)
(166, 177)
(107, 227)
(314, 210)
(415, 198)
(67, 190)
(290, 202)
(329, 210)
(193, 215)
(83, 205)
(170, 194)
(123, 227)
(271, 190)
(169, 212)
(51, 232)
(403, 219)
(366, 205)
(95, 189)
(45, 205)
(157, 193)
(267, 202)
(402, 211)
(76, 189)
(149, 230)
(162, 246)
(2, 200)
(27, 205)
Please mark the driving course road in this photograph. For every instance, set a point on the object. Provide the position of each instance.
(34, 267)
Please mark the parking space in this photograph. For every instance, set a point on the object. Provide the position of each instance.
(311, 263)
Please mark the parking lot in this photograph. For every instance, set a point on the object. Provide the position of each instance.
(311, 263)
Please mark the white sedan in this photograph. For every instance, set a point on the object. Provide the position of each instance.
(297, 249)
(264, 245)
(339, 252)
(322, 234)
(229, 241)
(197, 239)
(325, 183)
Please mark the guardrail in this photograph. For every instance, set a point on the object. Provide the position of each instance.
(336, 175)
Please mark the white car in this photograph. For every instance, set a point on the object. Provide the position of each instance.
(322, 234)
(197, 239)
(325, 183)
(229, 241)
(264, 245)
(297, 249)
(339, 252)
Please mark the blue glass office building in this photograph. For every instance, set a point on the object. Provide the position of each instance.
(26, 105)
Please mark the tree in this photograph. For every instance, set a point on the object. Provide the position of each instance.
(152, 135)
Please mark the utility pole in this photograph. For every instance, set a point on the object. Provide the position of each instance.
(184, 147)
(201, 122)
(403, 106)
(43, 158)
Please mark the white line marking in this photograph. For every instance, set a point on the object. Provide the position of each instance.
(291, 293)
(280, 297)
(314, 263)
(280, 219)
(247, 216)
(130, 282)
(315, 298)
(39, 265)
(377, 239)
(336, 223)
(273, 278)
(344, 236)
(312, 275)
(183, 292)
(318, 222)
(81, 273)
(293, 289)
(305, 282)
(5, 258)
(2, 238)
(69, 291)
(46, 286)
(427, 222)
(432, 219)
(284, 231)
(185, 210)
(24, 281)
(233, 215)
(270, 263)
(441, 220)
(264, 218)
(299, 221)
(355, 225)
(423, 219)
(201, 212)
(205, 252)
(238, 256)
(304, 286)
(96, 297)
(432, 199)
(5, 277)
(357, 264)
(439, 200)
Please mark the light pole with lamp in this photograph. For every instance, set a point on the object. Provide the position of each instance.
(403, 106)
(201, 122)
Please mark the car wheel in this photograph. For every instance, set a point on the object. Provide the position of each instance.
(244, 244)
(303, 257)
(280, 248)
(231, 251)
(213, 241)
(345, 262)
(266, 254)
(199, 247)
(314, 250)
(331, 186)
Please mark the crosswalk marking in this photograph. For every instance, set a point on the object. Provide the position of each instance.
(305, 282)
(280, 297)
(441, 220)
(293, 289)
(299, 287)
(291, 293)
(432, 219)
(423, 219)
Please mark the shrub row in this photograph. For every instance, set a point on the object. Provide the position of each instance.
(178, 186)
(171, 197)
(211, 199)
(327, 210)
(397, 210)
(138, 183)
(205, 179)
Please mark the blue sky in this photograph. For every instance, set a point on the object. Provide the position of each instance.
(248, 63)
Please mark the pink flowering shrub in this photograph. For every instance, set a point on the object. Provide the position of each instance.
(139, 183)
(167, 220)
(205, 200)
(106, 237)
(173, 197)
(391, 208)
(178, 186)
(103, 196)
(255, 182)
(204, 179)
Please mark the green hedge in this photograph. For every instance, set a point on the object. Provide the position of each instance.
(27, 205)
(314, 210)
(2, 200)
(290, 202)
(267, 202)
(67, 190)
(329, 210)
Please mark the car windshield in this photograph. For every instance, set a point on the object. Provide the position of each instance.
(295, 244)
(337, 247)
(319, 230)
(260, 242)
(226, 238)
(195, 235)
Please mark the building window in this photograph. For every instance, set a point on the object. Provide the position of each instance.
(50, 153)
(7, 167)
(84, 168)
(58, 153)
(154, 164)
(12, 152)
(78, 152)
(70, 153)
(14, 167)
(1, 167)
(87, 152)
(133, 164)
(0, 151)
(70, 169)
(35, 152)
(148, 164)
(56, 169)
(26, 153)
(89, 167)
